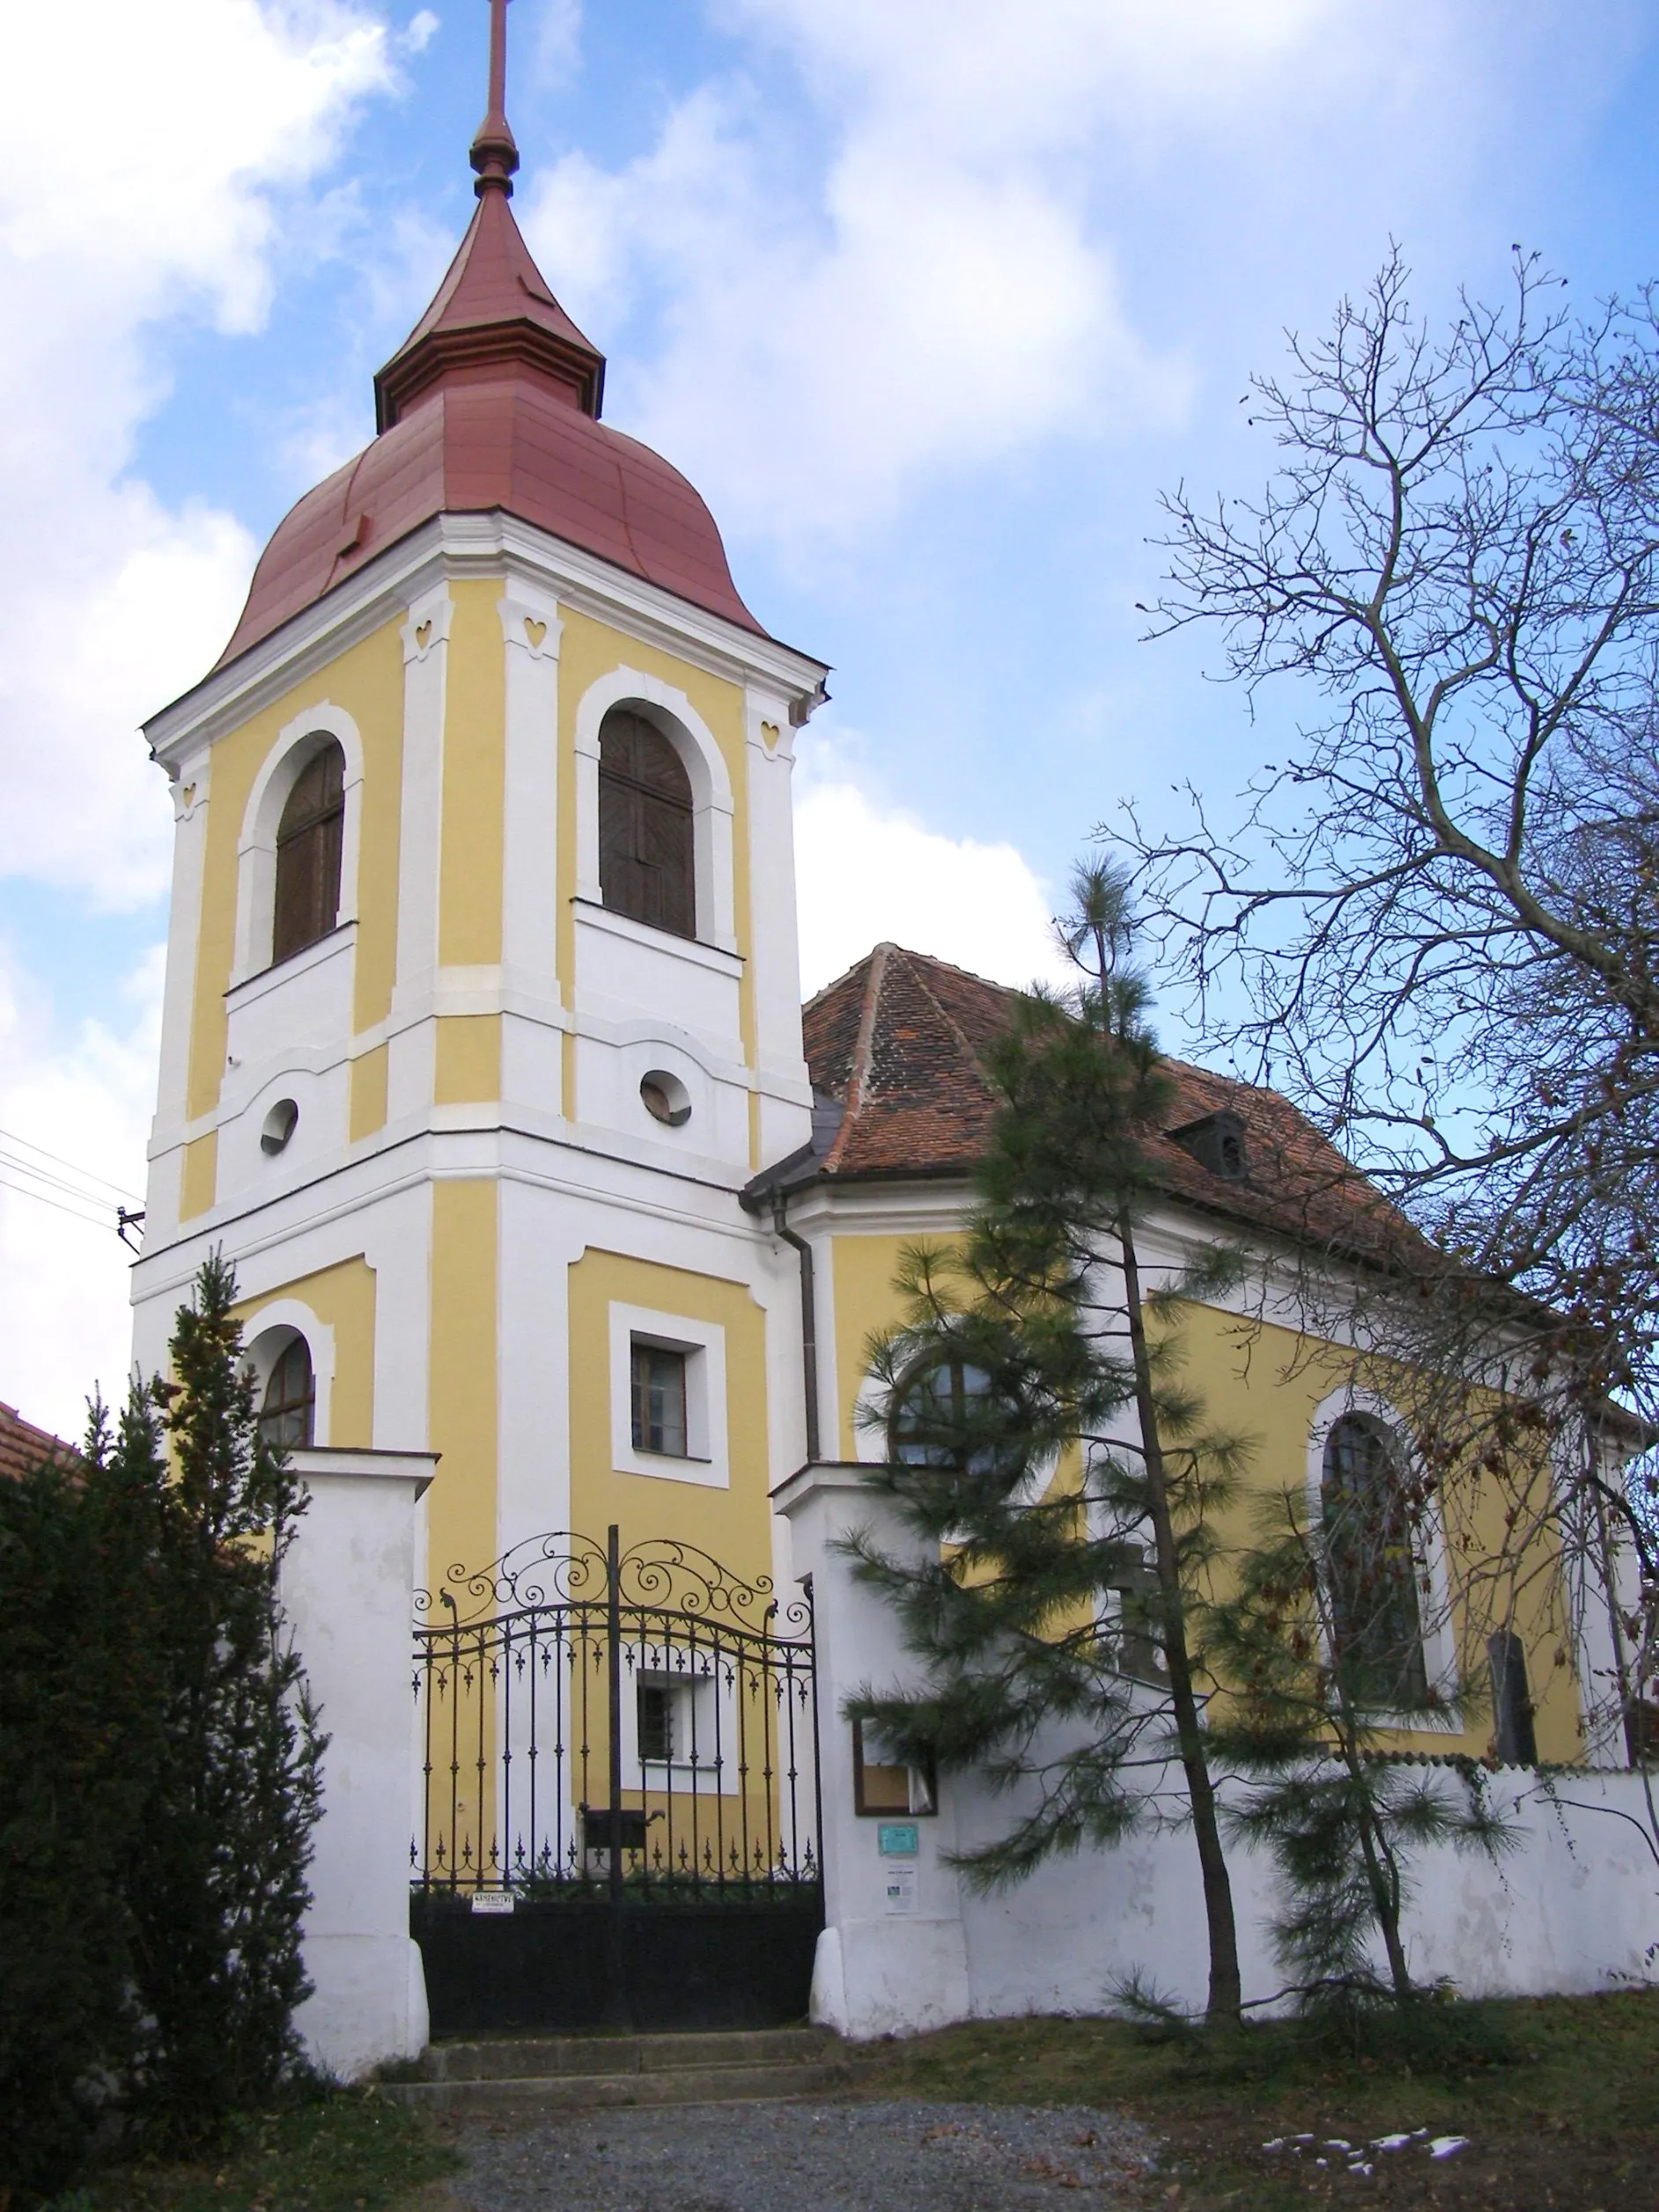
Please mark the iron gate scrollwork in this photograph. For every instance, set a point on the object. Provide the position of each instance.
(607, 1731)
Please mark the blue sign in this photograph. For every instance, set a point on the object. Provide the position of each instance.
(898, 1840)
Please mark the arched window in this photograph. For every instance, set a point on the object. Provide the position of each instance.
(287, 1412)
(1373, 1580)
(308, 839)
(645, 846)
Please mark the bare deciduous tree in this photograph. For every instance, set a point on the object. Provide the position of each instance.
(1435, 922)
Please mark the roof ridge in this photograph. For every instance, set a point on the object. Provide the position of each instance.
(937, 1003)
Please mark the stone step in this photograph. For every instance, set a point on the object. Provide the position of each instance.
(533, 2057)
(567, 2092)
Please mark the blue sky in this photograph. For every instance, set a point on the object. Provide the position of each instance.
(930, 298)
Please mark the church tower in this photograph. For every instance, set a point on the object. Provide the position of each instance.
(483, 1001)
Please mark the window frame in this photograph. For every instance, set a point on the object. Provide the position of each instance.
(714, 806)
(266, 1335)
(706, 1461)
(647, 803)
(320, 838)
(305, 1405)
(296, 745)
(1436, 1637)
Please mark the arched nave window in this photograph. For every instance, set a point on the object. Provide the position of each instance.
(287, 1412)
(308, 848)
(647, 860)
(1373, 1577)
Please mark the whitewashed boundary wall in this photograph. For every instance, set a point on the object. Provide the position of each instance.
(348, 1590)
(1574, 1909)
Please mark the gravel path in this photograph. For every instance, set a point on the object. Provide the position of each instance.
(893, 2157)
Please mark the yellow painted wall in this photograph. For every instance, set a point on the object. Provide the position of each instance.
(1263, 1383)
(367, 681)
(342, 1298)
(732, 1524)
(467, 1066)
(461, 1392)
(366, 1111)
(589, 650)
(199, 1175)
(474, 772)
(864, 1303)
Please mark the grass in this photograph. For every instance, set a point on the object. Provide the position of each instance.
(346, 2151)
(1556, 2095)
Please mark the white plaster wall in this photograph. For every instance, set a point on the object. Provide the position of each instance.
(1574, 1909)
(347, 1591)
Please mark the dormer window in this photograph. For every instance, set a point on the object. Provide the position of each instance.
(1217, 1143)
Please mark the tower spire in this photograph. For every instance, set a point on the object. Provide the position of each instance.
(494, 154)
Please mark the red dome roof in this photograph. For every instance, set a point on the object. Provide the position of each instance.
(492, 402)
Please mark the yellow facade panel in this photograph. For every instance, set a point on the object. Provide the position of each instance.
(467, 1065)
(462, 1389)
(474, 785)
(731, 1525)
(367, 681)
(366, 1107)
(198, 1178)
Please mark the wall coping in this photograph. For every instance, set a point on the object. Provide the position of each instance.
(322, 1462)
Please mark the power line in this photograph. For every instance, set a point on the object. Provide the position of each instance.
(92, 1220)
(121, 1189)
(52, 1182)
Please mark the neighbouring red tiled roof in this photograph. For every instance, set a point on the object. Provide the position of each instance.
(897, 1042)
(23, 1447)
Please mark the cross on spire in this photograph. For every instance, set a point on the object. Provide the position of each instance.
(494, 154)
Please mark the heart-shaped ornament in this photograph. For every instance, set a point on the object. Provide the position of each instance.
(424, 635)
(536, 631)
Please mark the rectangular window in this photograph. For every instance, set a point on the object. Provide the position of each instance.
(654, 1705)
(659, 1400)
(881, 1789)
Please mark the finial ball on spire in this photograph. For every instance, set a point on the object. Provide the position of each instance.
(494, 155)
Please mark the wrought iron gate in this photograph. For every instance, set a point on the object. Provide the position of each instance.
(620, 1814)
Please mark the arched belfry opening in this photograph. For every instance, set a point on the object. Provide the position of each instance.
(309, 839)
(646, 844)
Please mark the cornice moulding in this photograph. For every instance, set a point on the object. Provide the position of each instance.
(464, 546)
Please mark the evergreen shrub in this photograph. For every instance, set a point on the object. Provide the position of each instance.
(159, 1773)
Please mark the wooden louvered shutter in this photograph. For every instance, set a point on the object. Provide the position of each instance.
(308, 846)
(646, 837)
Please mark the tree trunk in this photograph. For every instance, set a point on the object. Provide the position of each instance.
(1226, 1996)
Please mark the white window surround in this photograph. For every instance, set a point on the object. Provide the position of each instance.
(704, 1718)
(339, 939)
(712, 807)
(266, 1336)
(714, 958)
(1433, 1586)
(296, 744)
(703, 1345)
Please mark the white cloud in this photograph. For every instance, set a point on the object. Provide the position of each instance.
(866, 871)
(911, 266)
(139, 163)
(65, 1325)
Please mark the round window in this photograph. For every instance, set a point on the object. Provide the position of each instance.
(665, 1098)
(280, 1124)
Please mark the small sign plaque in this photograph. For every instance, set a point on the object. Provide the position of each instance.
(898, 1840)
(898, 1886)
(492, 1901)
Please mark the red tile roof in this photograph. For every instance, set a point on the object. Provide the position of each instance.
(23, 1447)
(492, 402)
(897, 1042)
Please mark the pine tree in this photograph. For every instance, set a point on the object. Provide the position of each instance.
(1322, 1673)
(1055, 1617)
(219, 1889)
